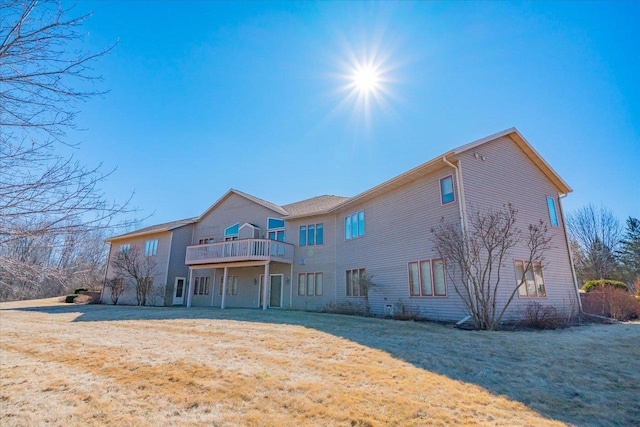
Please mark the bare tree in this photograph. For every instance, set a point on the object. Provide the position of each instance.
(45, 196)
(116, 287)
(475, 258)
(596, 234)
(131, 264)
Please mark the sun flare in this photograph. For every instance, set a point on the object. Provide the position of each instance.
(366, 79)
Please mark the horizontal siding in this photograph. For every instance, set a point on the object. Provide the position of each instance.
(507, 175)
(177, 267)
(160, 271)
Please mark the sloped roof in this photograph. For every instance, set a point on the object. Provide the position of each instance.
(158, 228)
(266, 204)
(313, 205)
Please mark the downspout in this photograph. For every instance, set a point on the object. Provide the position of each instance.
(566, 238)
(106, 271)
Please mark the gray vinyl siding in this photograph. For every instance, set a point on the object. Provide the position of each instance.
(507, 175)
(315, 259)
(398, 230)
(177, 268)
(234, 209)
(159, 277)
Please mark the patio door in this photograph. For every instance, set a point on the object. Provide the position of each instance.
(275, 291)
(178, 291)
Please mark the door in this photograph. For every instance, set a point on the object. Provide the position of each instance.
(275, 291)
(178, 293)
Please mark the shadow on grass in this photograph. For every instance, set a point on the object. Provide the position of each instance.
(582, 376)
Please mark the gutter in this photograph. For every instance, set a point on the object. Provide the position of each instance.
(566, 238)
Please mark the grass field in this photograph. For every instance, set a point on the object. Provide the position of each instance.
(73, 365)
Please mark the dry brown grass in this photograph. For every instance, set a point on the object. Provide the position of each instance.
(103, 365)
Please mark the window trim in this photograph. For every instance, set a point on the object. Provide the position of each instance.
(305, 285)
(535, 282)
(357, 225)
(151, 247)
(305, 233)
(453, 191)
(434, 293)
(348, 283)
(202, 285)
(232, 285)
(230, 236)
(124, 248)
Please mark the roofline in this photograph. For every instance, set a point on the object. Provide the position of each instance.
(528, 149)
(145, 233)
(239, 193)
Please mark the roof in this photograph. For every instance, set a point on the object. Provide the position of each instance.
(266, 204)
(159, 228)
(313, 205)
(438, 162)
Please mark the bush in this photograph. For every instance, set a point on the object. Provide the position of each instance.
(70, 298)
(612, 302)
(538, 316)
(402, 311)
(77, 291)
(346, 307)
(594, 284)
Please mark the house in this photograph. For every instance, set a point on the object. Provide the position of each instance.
(311, 254)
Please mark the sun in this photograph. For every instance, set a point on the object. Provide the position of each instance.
(366, 79)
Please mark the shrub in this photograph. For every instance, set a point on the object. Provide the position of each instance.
(70, 298)
(77, 291)
(594, 284)
(538, 316)
(402, 311)
(346, 307)
(612, 302)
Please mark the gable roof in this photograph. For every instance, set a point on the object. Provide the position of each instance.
(261, 202)
(313, 205)
(438, 162)
(158, 228)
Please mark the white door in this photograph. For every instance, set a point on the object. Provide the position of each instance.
(178, 292)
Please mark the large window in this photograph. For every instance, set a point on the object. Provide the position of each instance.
(426, 278)
(310, 284)
(232, 285)
(533, 285)
(354, 225)
(151, 247)
(231, 233)
(446, 190)
(553, 216)
(275, 229)
(355, 283)
(312, 234)
(124, 249)
(201, 286)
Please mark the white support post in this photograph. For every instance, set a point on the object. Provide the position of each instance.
(189, 287)
(212, 289)
(224, 287)
(291, 287)
(266, 286)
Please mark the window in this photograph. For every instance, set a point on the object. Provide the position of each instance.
(275, 229)
(354, 225)
(426, 278)
(151, 247)
(355, 286)
(124, 249)
(310, 284)
(205, 241)
(533, 285)
(201, 286)
(446, 190)
(553, 216)
(231, 233)
(312, 234)
(232, 285)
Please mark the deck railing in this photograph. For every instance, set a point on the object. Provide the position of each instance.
(240, 250)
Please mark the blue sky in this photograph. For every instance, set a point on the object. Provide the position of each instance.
(207, 96)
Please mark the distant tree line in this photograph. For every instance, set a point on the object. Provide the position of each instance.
(602, 248)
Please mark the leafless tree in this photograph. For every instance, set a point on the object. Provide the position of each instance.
(474, 260)
(596, 234)
(116, 287)
(140, 268)
(47, 199)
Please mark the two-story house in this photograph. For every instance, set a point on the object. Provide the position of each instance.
(312, 254)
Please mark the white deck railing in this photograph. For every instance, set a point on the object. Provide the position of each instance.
(240, 250)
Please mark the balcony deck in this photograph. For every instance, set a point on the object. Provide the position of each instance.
(240, 250)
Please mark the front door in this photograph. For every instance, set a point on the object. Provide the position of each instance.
(178, 294)
(275, 291)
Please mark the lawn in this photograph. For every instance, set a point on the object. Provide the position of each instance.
(69, 365)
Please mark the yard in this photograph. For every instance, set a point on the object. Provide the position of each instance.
(69, 365)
